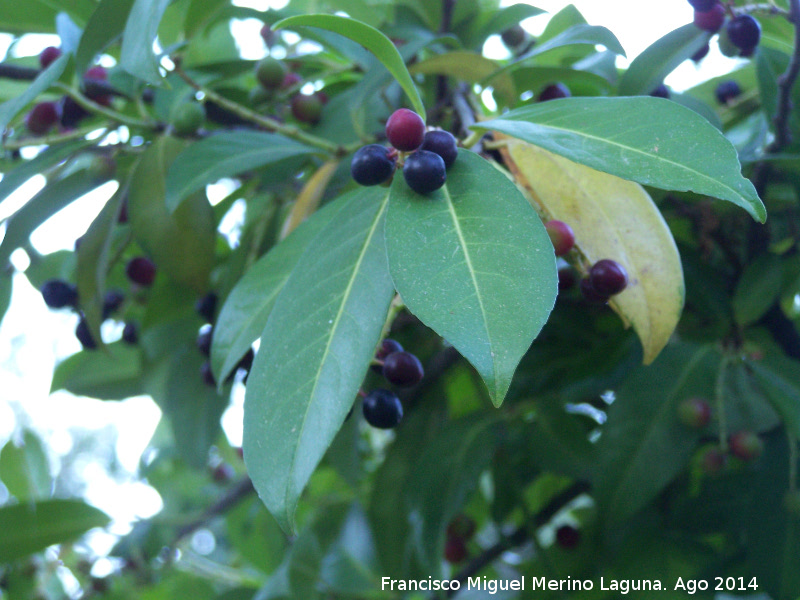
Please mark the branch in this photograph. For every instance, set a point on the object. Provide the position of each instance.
(18, 73)
(783, 136)
(236, 494)
(520, 535)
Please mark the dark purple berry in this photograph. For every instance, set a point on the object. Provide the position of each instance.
(568, 537)
(372, 164)
(111, 302)
(71, 112)
(513, 36)
(608, 277)
(141, 270)
(403, 369)
(42, 118)
(711, 19)
(204, 341)
(662, 91)
(424, 171)
(554, 91)
(382, 409)
(561, 235)
(703, 5)
(387, 347)
(727, 91)
(48, 56)
(223, 473)
(462, 526)
(442, 143)
(290, 80)
(130, 334)
(207, 374)
(566, 279)
(84, 335)
(405, 130)
(93, 76)
(590, 294)
(123, 212)
(267, 35)
(744, 31)
(455, 550)
(58, 293)
(206, 307)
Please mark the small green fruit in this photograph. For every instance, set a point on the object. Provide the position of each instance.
(306, 108)
(694, 413)
(270, 72)
(187, 118)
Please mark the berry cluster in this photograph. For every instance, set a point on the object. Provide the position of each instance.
(275, 78)
(606, 278)
(425, 169)
(740, 36)
(744, 445)
(381, 407)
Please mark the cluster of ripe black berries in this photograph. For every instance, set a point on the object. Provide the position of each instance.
(425, 169)
(742, 32)
(381, 407)
(606, 277)
(206, 307)
(58, 293)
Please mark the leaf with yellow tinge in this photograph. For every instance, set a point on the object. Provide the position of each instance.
(309, 197)
(612, 218)
(469, 66)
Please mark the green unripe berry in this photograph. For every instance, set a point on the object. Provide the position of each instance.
(187, 118)
(270, 72)
(306, 108)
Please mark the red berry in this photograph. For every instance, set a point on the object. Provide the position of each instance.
(141, 270)
(48, 56)
(403, 369)
(568, 537)
(405, 130)
(713, 461)
(561, 235)
(462, 527)
(290, 80)
(554, 92)
(455, 550)
(223, 473)
(746, 445)
(42, 118)
(306, 108)
(608, 277)
(694, 413)
(710, 20)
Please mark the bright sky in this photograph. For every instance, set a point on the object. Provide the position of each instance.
(33, 339)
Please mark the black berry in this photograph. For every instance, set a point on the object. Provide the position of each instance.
(590, 294)
(455, 550)
(372, 164)
(84, 335)
(387, 347)
(130, 334)
(727, 91)
(204, 341)
(744, 31)
(207, 375)
(513, 36)
(111, 302)
(566, 278)
(405, 130)
(71, 112)
(92, 77)
(703, 5)
(58, 293)
(402, 369)
(554, 91)
(442, 143)
(568, 537)
(246, 362)
(206, 307)
(701, 54)
(662, 91)
(608, 277)
(424, 171)
(382, 409)
(141, 270)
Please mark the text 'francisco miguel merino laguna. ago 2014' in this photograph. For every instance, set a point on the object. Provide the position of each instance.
(493, 586)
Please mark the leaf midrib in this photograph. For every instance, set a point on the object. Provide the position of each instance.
(337, 319)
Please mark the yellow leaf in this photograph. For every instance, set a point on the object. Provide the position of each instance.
(309, 197)
(612, 218)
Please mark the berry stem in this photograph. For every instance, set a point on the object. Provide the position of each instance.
(764, 7)
(289, 131)
(51, 139)
(783, 136)
(473, 138)
(394, 309)
(719, 399)
(109, 113)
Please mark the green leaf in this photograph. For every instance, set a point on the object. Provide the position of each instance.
(444, 475)
(182, 244)
(248, 306)
(49, 157)
(468, 66)
(21, 18)
(757, 289)
(224, 155)
(369, 37)
(778, 378)
(29, 528)
(643, 445)
(52, 198)
(24, 469)
(658, 60)
(6, 285)
(580, 83)
(106, 24)
(10, 108)
(316, 348)
(140, 32)
(500, 20)
(648, 140)
(111, 374)
(475, 264)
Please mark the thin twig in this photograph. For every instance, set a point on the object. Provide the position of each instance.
(236, 494)
(783, 136)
